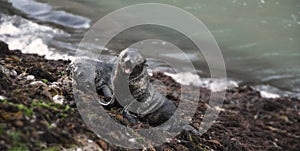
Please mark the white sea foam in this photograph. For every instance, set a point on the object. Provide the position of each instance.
(266, 94)
(267, 91)
(29, 37)
(215, 85)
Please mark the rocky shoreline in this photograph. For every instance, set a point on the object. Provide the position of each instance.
(38, 111)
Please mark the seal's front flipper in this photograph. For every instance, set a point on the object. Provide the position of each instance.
(131, 118)
(106, 91)
(107, 96)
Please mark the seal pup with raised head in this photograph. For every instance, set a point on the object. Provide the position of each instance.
(133, 90)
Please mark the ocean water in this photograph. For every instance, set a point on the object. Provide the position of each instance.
(259, 39)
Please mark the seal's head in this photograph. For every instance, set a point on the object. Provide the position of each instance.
(132, 62)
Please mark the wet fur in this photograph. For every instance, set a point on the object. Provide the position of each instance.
(138, 85)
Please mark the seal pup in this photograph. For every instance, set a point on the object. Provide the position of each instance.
(133, 90)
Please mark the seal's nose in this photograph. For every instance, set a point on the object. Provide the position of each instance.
(128, 64)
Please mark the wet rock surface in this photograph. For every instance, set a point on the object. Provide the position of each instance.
(33, 118)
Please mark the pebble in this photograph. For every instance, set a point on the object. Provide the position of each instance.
(54, 85)
(7, 72)
(19, 123)
(58, 99)
(53, 125)
(30, 77)
(38, 83)
(3, 97)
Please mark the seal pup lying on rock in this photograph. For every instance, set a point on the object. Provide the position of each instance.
(133, 90)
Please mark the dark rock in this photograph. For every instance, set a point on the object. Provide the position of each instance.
(3, 47)
(5, 82)
(49, 137)
(40, 73)
(274, 106)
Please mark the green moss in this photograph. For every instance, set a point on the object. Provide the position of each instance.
(45, 81)
(28, 111)
(15, 137)
(54, 148)
(205, 148)
(19, 147)
(62, 116)
(72, 146)
(139, 139)
(4, 101)
(67, 108)
(191, 138)
(51, 105)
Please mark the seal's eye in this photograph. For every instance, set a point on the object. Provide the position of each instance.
(124, 56)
